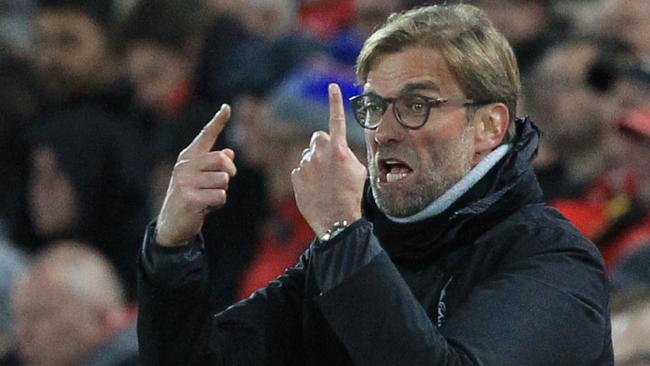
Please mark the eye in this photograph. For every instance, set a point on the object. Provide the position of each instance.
(413, 105)
(416, 107)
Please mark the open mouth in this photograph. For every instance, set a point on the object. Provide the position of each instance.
(393, 170)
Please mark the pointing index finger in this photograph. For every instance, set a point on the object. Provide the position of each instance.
(337, 115)
(204, 141)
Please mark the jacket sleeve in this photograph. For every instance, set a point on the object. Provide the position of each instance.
(521, 315)
(177, 325)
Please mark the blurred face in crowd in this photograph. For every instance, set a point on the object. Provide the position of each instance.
(71, 51)
(570, 108)
(51, 196)
(54, 327)
(629, 20)
(411, 168)
(156, 72)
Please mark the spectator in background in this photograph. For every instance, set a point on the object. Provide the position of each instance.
(78, 79)
(86, 184)
(12, 265)
(70, 310)
(76, 66)
(160, 41)
(594, 176)
(275, 131)
(573, 152)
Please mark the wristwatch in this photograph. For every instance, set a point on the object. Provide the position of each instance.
(335, 230)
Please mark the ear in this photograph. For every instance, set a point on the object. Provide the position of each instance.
(490, 127)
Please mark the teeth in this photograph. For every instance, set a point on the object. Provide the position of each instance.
(394, 177)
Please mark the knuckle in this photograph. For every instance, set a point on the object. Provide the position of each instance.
(337, 116)
(218, 157)
(222, 161)
(223, 178)
(219, 198)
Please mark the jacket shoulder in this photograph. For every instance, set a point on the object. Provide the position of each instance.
(538, 228)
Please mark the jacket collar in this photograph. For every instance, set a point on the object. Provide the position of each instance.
(509, 185)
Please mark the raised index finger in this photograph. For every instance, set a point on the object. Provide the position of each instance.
(204, 141)
(337, 115)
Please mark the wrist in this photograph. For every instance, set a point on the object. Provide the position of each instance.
(335, 228)
(166, 241)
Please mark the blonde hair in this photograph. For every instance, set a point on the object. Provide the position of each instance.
(478, 55)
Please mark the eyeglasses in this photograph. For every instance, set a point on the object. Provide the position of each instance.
(411, 111)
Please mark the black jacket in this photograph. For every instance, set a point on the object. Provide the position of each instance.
(497, 279)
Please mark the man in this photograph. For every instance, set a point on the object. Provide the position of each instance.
(73, 55)
(454, 259)
(77, 75)
(70, 310)
(576, 129)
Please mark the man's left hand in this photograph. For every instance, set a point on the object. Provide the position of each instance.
(328, 184)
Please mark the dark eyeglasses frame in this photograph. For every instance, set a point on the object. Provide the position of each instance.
(429, 102)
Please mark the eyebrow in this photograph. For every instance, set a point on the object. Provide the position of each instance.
(424, 85)
(410, 87)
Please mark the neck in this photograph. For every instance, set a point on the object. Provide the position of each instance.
(448, 198)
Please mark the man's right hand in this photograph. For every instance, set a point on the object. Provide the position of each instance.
(198, 185)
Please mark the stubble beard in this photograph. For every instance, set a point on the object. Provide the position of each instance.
(447, 167)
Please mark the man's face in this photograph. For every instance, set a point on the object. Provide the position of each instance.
(411, 168)
(71, 51)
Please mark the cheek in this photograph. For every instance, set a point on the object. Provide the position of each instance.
(437, 137)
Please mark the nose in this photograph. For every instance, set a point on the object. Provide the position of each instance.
(389, 131)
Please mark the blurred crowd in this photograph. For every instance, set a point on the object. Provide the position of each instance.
(97, 98)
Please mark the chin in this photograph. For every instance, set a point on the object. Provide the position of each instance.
(397, 204)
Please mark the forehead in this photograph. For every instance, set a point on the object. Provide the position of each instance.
(392, 73)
